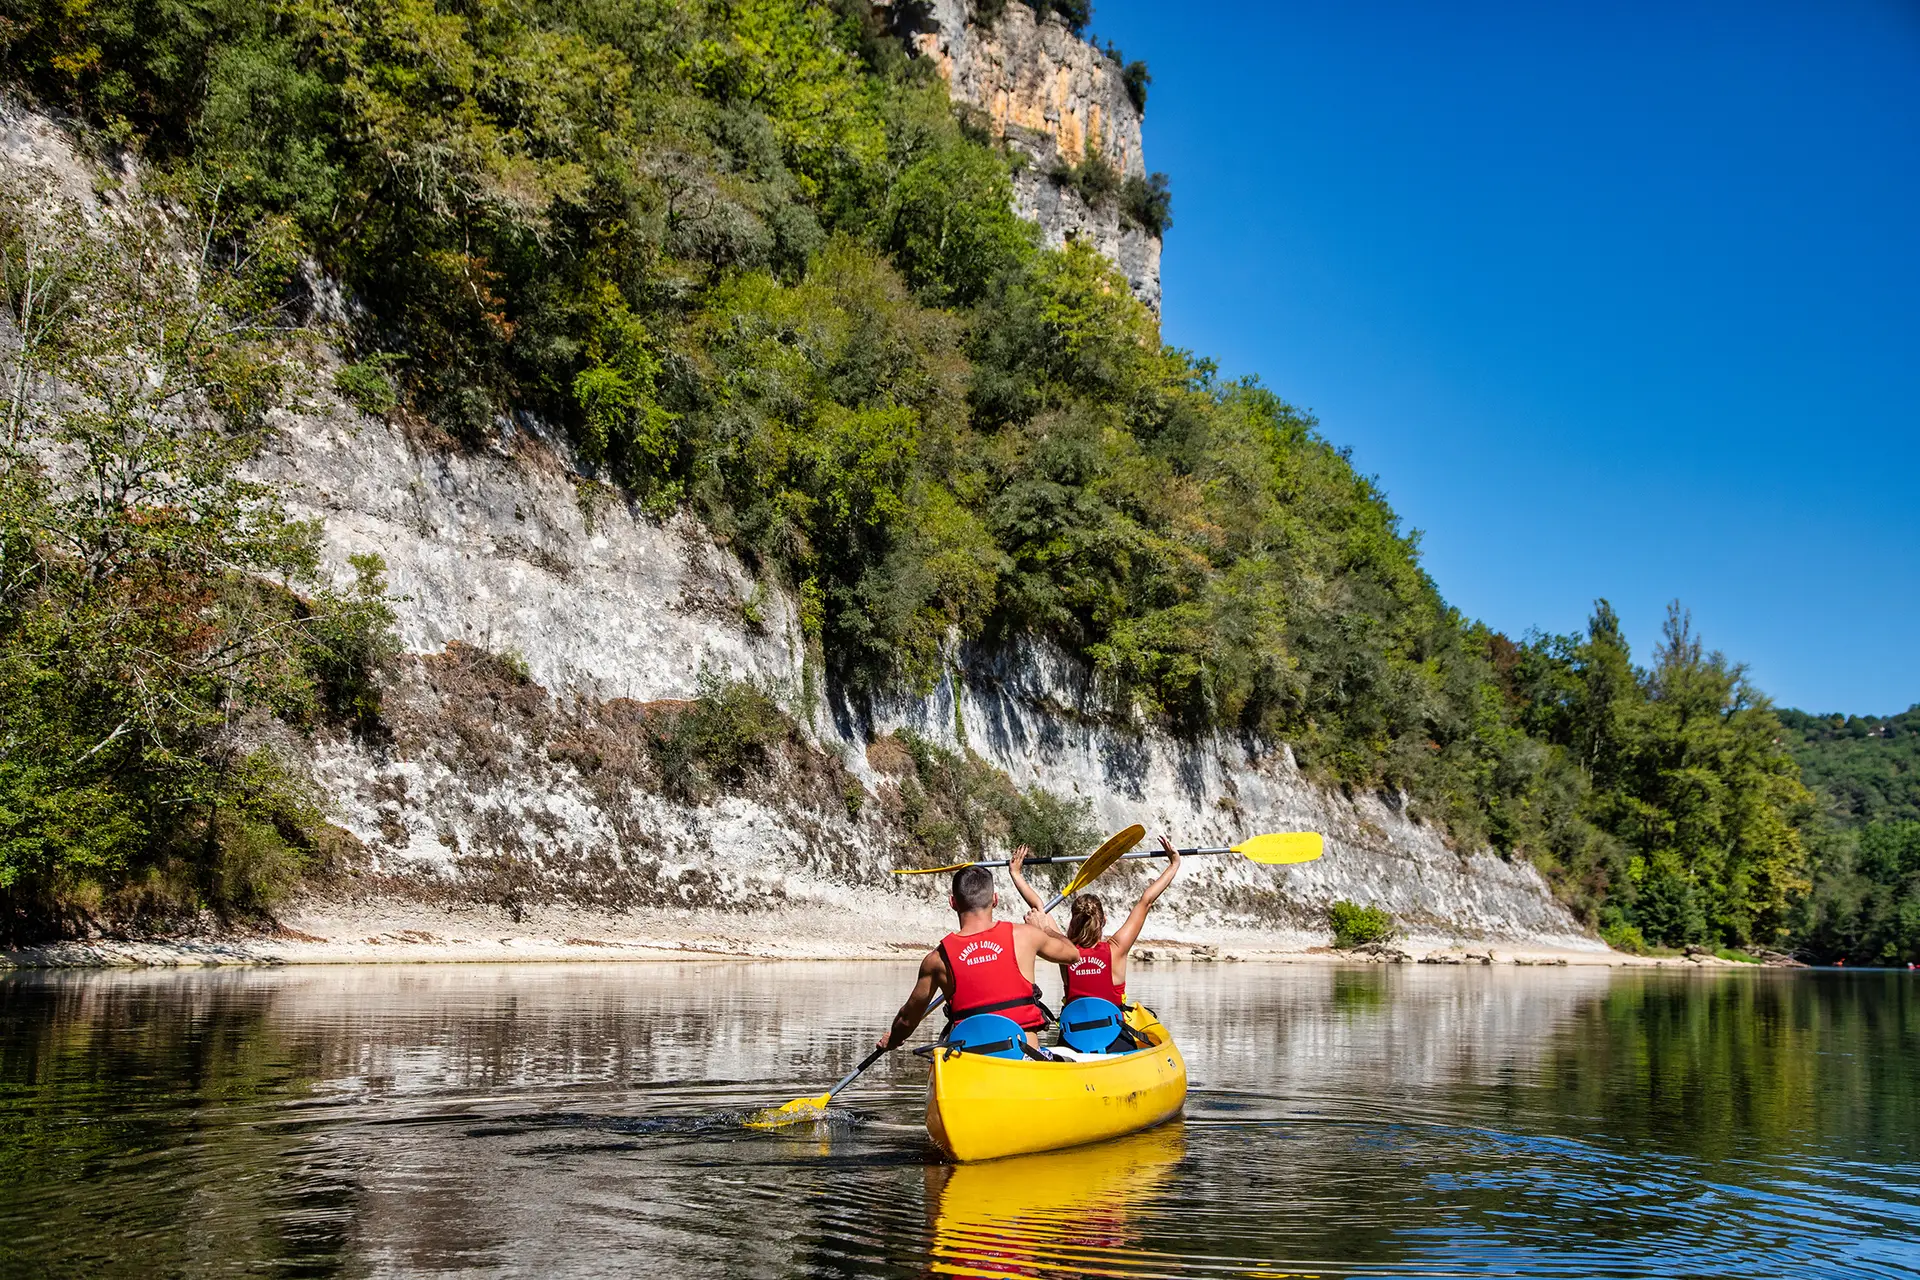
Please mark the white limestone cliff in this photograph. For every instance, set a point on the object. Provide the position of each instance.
(497, 551)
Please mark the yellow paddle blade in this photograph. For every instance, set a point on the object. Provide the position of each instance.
(929, 871)
(1118, 844)
(799, 1111)
(1284, 847)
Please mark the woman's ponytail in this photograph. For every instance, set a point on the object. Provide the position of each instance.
(1089, 921)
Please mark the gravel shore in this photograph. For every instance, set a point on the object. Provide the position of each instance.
(323, 932)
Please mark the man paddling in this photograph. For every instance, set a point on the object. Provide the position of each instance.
(983, 966)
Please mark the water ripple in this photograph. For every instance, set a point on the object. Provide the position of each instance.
(583, 1123)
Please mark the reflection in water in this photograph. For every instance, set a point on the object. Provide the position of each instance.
(583, 1121)
(1060, 1211)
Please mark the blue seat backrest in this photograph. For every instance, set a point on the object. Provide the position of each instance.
(1090, 1025)
(992, 1034)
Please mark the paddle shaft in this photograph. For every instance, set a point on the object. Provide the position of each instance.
(1082, 857)
(939, 998)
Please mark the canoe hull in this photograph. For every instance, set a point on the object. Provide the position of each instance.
(981, 1108)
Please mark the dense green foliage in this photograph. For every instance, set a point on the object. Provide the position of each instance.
(1865, 904)
(717, 738)
(744, 252)
(1692, 806)
(1356, 926)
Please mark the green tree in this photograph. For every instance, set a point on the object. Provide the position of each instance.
(951, 228)
(149, 629)
(1688, 774)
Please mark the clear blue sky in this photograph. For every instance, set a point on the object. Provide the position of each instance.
(1615, 299)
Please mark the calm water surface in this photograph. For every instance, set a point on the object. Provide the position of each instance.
(533, 1121)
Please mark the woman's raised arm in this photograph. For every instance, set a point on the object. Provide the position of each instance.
(1019, 881)
(1129, 933)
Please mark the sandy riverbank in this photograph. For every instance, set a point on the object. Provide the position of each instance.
(322, 932)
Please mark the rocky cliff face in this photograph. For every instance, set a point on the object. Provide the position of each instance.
(1052, 97)
(516, 787)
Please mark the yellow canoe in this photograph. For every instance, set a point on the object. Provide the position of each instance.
(982, 1108)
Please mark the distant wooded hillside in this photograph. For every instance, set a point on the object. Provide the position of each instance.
(1866, 766)
(1865, 904)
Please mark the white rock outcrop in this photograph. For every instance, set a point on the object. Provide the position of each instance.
(1052, 96)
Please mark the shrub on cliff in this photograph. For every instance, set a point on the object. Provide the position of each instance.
(1147, 203)
(1093, 178)
(1356, 926)
(1052, 825)
(1075, 13)
(1134, 75)
(367, 385)
(717, 739)
(956, 806)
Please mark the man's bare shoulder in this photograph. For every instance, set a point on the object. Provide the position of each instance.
(1046, 943)
(1028, 938)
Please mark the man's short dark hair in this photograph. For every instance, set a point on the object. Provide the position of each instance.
(972, 889)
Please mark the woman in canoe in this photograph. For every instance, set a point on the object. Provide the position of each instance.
(1101, 970)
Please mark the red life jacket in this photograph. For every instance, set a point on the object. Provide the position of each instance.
(987, 978)
(1092, 975)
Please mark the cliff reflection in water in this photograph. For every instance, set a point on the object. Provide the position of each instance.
(582, 1121)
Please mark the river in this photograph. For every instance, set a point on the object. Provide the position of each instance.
(583, 1121)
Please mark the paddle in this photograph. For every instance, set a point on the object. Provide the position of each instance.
(1092, 866)
(1275, 849)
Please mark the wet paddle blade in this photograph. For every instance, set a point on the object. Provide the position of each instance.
(799, 1111)
(1116, 847)
(929, 871)
(1283, 848)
